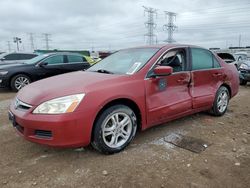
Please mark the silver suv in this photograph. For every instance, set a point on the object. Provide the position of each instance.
(7, 58)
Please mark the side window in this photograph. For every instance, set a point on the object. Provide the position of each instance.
(11, 57)
(201, 59)
(28, 56)
(74, 59)
(54, 60)
(175, 59)
(22, 56)
(216, 63)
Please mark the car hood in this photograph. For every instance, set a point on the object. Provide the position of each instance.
(66, 84)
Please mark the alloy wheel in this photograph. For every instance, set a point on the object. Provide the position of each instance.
(117, 129)
(222, 101)
(20, 82)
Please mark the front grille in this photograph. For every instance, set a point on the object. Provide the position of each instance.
(21, 105)
(43, 134)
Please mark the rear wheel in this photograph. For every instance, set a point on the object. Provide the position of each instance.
(19, 81)
(221, 101)
(114, 129)
(243, 82)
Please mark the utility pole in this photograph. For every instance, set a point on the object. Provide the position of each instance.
(170, 27)
(17, 40)
(47, 39)
(31, 37)
(150, 24)
(9, 48)
(240, 40)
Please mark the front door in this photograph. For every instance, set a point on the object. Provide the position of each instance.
(168, 96)
(53, 66)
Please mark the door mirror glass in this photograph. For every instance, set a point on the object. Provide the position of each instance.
(162, 71)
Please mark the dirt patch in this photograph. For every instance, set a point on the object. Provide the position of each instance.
(148, 162)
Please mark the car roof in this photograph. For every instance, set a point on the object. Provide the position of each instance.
(167, 46)
(62, 53)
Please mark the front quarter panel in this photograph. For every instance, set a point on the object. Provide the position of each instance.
(131, 88)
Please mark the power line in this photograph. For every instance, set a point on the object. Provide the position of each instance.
(170, 27)
(47, 39)
(150, 24)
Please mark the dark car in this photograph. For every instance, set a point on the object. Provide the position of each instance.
(7, 58)
(19, 75)
(132, 89)
(244, 71)
(228, 58)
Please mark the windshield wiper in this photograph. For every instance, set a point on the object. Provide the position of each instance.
(104, 71)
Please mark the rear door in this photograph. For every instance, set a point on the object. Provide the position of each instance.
(206, 74)
(168, 97)
(75, 63)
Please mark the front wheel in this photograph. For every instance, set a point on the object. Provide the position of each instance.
(19, 81)
(220, 102)
(114, 129)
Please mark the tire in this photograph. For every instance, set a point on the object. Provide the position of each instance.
(19, 81)
(243, 82)
(221, 102)
(108, 136)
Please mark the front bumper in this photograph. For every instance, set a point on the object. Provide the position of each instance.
(4, 82)
(245, 75)
(67, 130)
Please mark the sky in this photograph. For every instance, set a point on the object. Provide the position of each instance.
(116, 24)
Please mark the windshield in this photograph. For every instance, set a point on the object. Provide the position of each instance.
(125, 61)
(36, 59)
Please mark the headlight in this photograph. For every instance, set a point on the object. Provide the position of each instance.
(3, 73)
(243, 66)
(60, 105)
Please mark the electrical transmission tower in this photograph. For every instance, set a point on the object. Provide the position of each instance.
(150, 24)
(31, 37)
(170, 27)
(47, 39)
(9, 47)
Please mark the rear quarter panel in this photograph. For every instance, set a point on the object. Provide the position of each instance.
(232, 77)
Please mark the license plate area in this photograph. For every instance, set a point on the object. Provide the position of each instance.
(12, 118)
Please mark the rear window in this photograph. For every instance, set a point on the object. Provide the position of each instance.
(74, 59)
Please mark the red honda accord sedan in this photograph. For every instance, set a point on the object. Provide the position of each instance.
(132, 89)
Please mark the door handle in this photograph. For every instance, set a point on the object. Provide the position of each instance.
(183, 81)
(217, 74)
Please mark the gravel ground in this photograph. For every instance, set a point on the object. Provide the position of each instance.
(148, 162)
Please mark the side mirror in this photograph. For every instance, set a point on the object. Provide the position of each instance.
(162, 71)
(42, 64)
